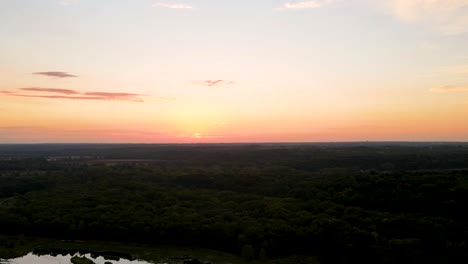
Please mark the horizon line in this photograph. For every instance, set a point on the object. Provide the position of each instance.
(237, 143)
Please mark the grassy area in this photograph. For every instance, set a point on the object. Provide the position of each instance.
(12, 247)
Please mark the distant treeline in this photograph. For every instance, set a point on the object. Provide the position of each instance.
(310, 156)
(364, 203)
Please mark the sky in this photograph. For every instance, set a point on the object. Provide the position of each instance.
(203, 71)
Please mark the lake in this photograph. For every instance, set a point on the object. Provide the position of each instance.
(32, 258)
(34, 250)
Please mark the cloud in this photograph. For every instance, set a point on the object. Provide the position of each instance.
(450, 88)
(112, 94)
(116, 96)
(216, 82)
(447, 16)
(38, 134)
(74, 95)
(213, 83)
(305, 4)
(123, 96)
(173, 5)
(49, 90)
(55, 74)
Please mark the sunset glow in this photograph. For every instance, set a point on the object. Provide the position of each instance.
(233, 71)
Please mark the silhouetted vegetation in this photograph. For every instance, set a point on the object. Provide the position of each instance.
(375, 203)
(81, 260)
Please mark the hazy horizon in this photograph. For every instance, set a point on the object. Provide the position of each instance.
(205, 71)
(252, 143)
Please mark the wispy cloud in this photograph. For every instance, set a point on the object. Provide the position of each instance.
(450, 88)
(213, 83)
(173, 5)
(305, 4)
(56, 74)
(116, 96)
(49, 90)
(75, 95)
(112, 94)
(216, 82)
(37, 134)
(447, 16)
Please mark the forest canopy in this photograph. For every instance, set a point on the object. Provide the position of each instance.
(376, 203)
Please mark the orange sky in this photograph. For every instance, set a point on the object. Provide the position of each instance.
(212, 71)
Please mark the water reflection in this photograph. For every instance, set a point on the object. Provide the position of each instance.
(66, 259)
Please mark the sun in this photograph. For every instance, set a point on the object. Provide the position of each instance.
(196, 135)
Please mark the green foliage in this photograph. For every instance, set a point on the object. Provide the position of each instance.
(262, 255)
(248, 252)
(338, 202)
(81, 260)
(110, 257)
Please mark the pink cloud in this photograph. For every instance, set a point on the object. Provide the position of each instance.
(49, 90)
(74, 95)
(216, 82)
(56, 74)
